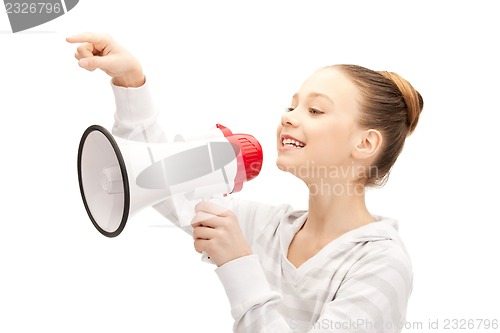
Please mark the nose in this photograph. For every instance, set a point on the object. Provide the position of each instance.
(289, 119)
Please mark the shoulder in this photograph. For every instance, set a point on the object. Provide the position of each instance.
(377, 286)
(389, 253)
(384, 258)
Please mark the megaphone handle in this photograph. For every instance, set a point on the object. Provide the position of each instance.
(206, 258)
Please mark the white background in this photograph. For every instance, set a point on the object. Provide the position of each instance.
(239, 63)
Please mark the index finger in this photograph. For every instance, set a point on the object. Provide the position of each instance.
(204, 219)
(89, 37)
(211, 208)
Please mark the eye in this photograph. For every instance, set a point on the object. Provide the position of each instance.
(289, 109)
(315, 111)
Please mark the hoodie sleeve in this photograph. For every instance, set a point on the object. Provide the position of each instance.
(135, 116)
(136, 119)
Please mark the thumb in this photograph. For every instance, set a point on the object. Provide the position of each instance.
(92, 63)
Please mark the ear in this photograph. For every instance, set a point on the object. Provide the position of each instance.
(368, 144)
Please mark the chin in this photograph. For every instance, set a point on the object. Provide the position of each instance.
(280, 164)
(287, 166)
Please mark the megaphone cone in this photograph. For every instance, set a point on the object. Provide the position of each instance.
(119, 177)
(108, 210)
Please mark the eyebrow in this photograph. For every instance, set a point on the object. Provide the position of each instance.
(315, 95)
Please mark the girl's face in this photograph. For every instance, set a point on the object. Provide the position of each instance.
(320, 129)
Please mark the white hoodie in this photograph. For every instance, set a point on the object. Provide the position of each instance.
(359, 282)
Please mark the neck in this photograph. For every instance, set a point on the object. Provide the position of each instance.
(332, 213)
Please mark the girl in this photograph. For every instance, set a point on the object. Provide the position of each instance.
(333, 268)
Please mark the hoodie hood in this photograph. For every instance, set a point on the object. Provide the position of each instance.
(383, 228)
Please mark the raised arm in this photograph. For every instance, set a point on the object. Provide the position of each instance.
(135, 115)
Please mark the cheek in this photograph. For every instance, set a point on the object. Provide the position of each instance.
(278, 131)
(333, 145)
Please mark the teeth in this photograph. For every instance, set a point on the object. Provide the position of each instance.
(292, 142)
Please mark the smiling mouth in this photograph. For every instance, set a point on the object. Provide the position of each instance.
(291, 143)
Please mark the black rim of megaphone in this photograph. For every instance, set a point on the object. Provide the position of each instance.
(123, 169)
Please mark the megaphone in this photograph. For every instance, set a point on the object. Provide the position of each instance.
(119, 177)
